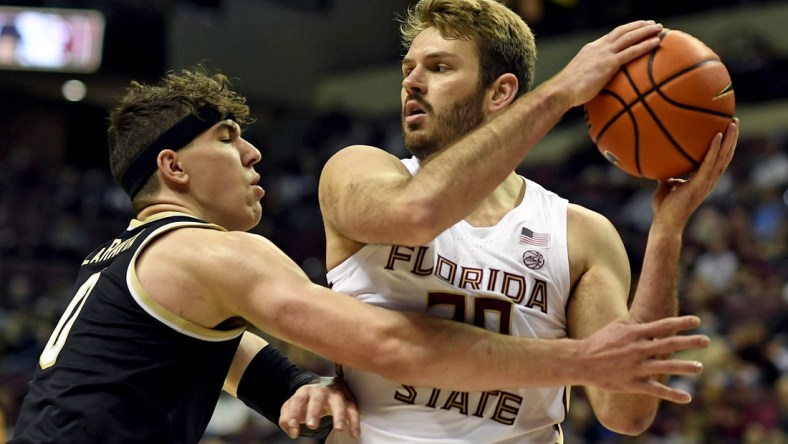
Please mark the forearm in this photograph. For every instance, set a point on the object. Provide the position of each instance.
(413, 348)
(486, 156)
(656, 296)
(627, 414)
(416, 349)
(457, 356)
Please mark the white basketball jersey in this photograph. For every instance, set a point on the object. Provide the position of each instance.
(511, 278)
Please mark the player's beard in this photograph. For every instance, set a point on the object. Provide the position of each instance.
(462, 117)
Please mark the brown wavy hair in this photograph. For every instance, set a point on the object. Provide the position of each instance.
(146, 111)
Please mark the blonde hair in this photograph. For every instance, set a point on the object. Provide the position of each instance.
(504, 42)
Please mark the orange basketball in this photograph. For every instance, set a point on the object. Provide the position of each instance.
(657, 116)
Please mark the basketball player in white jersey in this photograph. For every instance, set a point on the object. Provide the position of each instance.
(454, 232)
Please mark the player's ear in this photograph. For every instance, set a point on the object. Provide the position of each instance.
(502, 92)
(170, 167)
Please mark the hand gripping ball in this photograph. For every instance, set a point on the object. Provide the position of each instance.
(657, 116)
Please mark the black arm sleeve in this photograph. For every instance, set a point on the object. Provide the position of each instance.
(269, 381)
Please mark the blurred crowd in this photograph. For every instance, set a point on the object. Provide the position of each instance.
(734, 266)
(735, 260)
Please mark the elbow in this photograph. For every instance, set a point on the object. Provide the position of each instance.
(405, 369)
(629, 428)
(396, 370)
(625, 423)
(400, 361)
(422, 221)
(630, 415)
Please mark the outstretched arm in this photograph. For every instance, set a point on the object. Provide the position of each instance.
(415, 349)
(601, 293)
(236, 274)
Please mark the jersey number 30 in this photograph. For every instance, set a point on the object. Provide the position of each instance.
(482, 307)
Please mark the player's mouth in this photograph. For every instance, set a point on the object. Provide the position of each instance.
(413, 112)
(256, 185)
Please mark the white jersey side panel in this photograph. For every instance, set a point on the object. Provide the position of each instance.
(512, 278)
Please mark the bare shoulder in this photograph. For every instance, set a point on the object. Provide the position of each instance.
(211, 260)
(192, 245)
(202, 274)
(587, 223)
(355, 175)
(591, 236)
(582, 218)
(354, 152)
(358, 161)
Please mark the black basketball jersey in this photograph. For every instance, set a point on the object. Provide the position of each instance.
(120, 368)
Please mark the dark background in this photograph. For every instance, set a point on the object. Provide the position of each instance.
(322, 74)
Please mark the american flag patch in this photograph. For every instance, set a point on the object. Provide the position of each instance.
(536, 239)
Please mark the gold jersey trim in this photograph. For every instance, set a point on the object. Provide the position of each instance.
(156, 310)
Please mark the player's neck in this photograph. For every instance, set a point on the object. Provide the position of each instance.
(507, 196)
(163, 207)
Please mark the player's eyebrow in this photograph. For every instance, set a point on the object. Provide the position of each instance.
(431, 56)
(229, 125)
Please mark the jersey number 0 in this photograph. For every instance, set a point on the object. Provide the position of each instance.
(58, 338)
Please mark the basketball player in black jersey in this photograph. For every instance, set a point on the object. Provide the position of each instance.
(157, 326)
